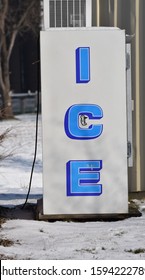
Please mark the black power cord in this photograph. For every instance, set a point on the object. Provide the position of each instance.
(35, 151)
(36, 129)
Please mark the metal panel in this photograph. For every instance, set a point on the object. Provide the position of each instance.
(129, 106)
(84, 124)
(67, 13)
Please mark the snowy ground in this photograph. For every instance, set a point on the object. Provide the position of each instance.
(33, 239)
(15, 170)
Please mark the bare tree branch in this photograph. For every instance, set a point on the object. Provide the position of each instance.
(3, 15)
(1, 72)
(12, 42)
(23, 18)
(1, 78)
(16, 17)
(4, 137)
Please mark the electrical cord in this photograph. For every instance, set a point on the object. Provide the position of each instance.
(35, 151)
(36, 134)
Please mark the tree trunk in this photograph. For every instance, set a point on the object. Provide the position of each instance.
(6, 110)
(6, 94)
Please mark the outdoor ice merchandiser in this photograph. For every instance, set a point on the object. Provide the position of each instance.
(86, 112)
(84, 118)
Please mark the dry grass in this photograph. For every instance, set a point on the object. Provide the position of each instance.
(136, 251)
(4, 257)
(3, 137)
(6, 242)
(2, 220)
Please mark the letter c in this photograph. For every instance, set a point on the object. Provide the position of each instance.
(84, 113)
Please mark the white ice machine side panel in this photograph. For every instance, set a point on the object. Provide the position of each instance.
(84, 121)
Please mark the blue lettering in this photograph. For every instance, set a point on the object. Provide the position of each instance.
(82, 65)
(83, 177)
(79, 121)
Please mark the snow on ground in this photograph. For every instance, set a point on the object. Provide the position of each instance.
(15, 170)
(59, 240)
